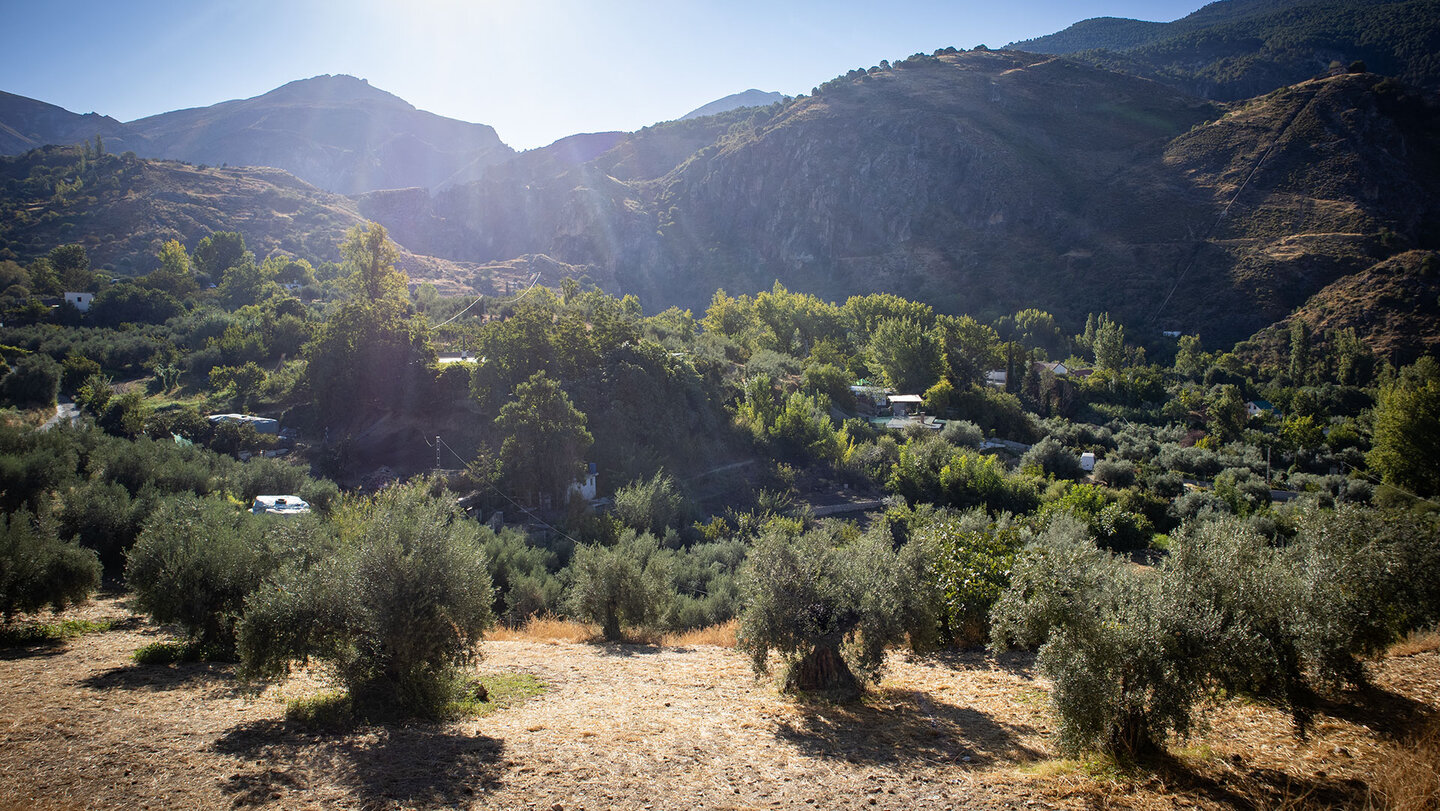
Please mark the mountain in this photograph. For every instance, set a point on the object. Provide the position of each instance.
(335, 132)
(982, 182)
(1237, 49)
(26, 123)
(749, 98)
(122, 208)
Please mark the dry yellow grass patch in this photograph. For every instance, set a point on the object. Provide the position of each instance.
(722, 636)
(1408, 778)
(1417, 642)
(554, 630)
(546, 628)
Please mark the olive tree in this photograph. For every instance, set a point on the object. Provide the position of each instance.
(827, 601)
(37, 569)
(396, 610)
(625, 584)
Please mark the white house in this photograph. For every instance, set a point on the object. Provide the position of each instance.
(904, 404)
(280, 505)
(1087, 461)
(262, 425)
(81, 301)
(997, 378)
(587, 488)
(1255, 408)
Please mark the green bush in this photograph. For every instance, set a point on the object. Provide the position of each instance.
(962, 434)
(34, 380)
(625, 584)
(650, 506)
(194, 563)
(38, 570)
(827, 601)
(396, 608)
(972, 557)
(1052, 459)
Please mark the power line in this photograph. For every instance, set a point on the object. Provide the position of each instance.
(497, 492)
(1195, 253)
(533, 279)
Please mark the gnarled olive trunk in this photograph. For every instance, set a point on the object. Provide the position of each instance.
(822, 670)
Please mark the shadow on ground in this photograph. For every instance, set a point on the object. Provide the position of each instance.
(419, 765)
(1231, 784)
(898, 726)
(1393, 715)
(168, 677)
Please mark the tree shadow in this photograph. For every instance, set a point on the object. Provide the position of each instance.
(412, 765)
(627, 649)
(893, 726)
(1230, 784)
(157, 678)
(32, 650)
(1015, 662)
(1391, 714)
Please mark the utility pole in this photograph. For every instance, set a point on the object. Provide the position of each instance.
(437, 451)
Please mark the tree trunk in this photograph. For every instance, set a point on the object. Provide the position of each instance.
(822, 670)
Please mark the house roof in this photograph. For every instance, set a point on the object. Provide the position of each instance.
(906, 398)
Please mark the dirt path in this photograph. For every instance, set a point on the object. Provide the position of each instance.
(621, 727)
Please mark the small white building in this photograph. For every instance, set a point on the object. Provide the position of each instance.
(262, 425)
(587, 488)
(279, 505)
(1087, 461)
(998, 378)
(903, 405)
(80, 301)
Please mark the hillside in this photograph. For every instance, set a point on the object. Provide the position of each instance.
(122, 209)
(748, 98)
(26, 124)
(982, 182)
(1236, 49)
(335, 132)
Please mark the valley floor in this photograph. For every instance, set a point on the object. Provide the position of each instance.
(630, 726)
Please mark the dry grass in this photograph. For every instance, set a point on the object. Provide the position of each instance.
(1418, 642)
(1409, 778)
(721, 636)
(553, 630)
(549, 629)
(679, 725)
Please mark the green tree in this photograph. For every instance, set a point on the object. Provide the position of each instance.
(628, 584)
(194, 564)
(370, 256)
(1406, 444)
(37, 569)
(367, 356)
(545, 439)
(1227, 415)
(827, 602)
(1300, 361)
(396, 608)
(217, 253)
(1189, 358)
(71, 266)
(905, 354)
(175, 274)
(650, 506)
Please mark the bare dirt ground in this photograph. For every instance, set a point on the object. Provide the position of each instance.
(642, 727)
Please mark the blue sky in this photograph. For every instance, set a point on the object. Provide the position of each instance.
(536, 70)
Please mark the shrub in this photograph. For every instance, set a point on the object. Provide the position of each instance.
(38, 570)
(1052, 459)
(826, 603)
(625, 584)
(1114, 473)
(194, 563)
(962, 434)
(1098, 631)
(396, 609)
(650, 506)
(974, 566)
(34, 380)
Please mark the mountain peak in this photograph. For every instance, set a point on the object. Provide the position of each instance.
(332, 88)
